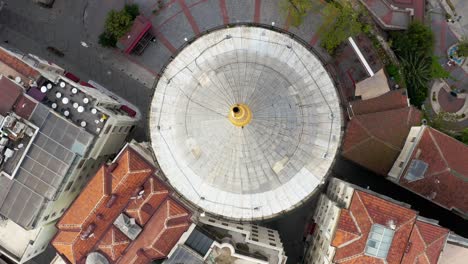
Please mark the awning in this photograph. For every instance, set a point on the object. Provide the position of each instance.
(72, 77)
(128, 110)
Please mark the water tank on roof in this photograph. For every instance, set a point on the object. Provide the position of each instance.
(96, 258)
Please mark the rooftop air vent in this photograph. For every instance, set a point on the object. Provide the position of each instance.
(88, 232)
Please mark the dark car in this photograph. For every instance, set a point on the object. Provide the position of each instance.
(45, 3)
(55, 51)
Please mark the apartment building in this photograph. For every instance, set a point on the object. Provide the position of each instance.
(355, 225)
(54, 134)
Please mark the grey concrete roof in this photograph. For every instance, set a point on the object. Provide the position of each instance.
(273, 163)
(184, 255)
(42, 172)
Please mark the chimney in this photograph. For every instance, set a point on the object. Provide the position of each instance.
(88, 232)
(111, 200)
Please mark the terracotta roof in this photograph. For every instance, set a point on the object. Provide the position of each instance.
(375, 140)
(139, 27)
(18, 65)
(9, 93)
(446, 179)
(425, 244)
(113, 243)
(168, 223)
(364, 211)
(392, 100)
(114, 190)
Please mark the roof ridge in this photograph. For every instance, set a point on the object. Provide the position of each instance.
(438, 148)
(365, 208)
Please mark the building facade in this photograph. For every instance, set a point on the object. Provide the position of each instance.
(55, 133)
(354, 225)
(214, 240)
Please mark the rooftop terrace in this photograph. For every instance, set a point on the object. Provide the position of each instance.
(72, 103)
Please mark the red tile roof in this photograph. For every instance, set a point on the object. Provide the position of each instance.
(94, 212)
(25, 106)
(164, 234)
(364, 211)
(392, 100)
(18, 65)
(425, 244)
(446, 179)
(375, 140)
(9, 93)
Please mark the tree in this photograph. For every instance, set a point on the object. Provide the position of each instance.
(437, 71)
(416, 70)
(463, 137)
(118, 23)
(132, 10)
(107, 40)
(340, 22)
(418, 38)
(296, 10)
(463, 48)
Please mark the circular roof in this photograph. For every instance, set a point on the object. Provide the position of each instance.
(245, 123)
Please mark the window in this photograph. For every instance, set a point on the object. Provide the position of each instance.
(273, 244)
(81, 163)
(62, 210)
(121, 129)
(108, 129)
(254, 239)
(413, 139)
(53, 215)
(46, 217)
(69, 185)
(239, 227)
(379, 241)
(114, 129)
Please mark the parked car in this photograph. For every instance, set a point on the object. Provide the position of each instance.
(45, 3)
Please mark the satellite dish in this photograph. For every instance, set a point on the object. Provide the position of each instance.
(96, 258)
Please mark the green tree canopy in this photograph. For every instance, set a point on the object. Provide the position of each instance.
(418, 38)
(340, 22)
(107, 40)
(132, 10)
(118, 23)
(296, 10)
(463, 48)
(437, 71)
(417, 73)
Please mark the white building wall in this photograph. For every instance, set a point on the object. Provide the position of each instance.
(326, 216)
(402, 161)
(254, 234)
(39, 245)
